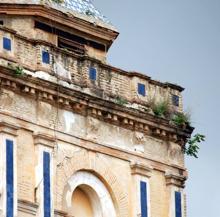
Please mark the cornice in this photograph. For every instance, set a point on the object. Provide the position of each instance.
(140, 169)
(44, 139)
(8, 128)
(59, 17)
(175, 180)
(85, 57)
(88, 105)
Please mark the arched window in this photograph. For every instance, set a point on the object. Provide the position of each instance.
(86, 195)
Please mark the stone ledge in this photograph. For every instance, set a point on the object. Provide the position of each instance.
(85, 104)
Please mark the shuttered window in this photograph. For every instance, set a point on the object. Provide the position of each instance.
(7, 43)
(92, 73)
(9, 178)
(45, 57)
(141, 89)
(175, 100)
(178, 204)
(47, 184)
(144, 202)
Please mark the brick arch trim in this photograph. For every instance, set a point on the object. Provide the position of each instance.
(89, 161)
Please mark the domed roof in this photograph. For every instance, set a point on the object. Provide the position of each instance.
(83, 9)
(86, 7)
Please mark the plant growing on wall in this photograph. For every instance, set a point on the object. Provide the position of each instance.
(181, 119)
(18, 70)
(192, 146)
(160, 109)
(121, 101)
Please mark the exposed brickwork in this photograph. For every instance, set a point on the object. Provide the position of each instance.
(100, 126)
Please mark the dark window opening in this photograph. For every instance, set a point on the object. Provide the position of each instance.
(175, 100)
(69, 36)
(71, 46)
(92, 73)
(1, 22)
(141, 89)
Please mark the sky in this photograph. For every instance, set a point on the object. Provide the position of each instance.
(178, 41)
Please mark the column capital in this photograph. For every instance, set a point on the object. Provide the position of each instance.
(8, 128)
(175, 179)
(44, 140)
(141, 169)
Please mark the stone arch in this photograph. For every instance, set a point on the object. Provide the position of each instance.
(94, 163)
(98, 193)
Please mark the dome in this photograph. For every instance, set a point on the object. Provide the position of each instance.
(83, 9)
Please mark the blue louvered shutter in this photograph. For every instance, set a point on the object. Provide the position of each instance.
(141, 89)
(45, 57)
(47, 184)
(144, 205)
(9, 178)
(178, 204)
(92, 73)
(7, 43)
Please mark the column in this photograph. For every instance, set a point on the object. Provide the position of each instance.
(175, 185)
(141, 189)
(44, 174)
(8, 170)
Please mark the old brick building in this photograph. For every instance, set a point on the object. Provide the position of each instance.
(78, 137)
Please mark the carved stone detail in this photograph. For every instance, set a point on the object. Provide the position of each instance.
(175, 179)
(8, 128)
(45, 140)
(141, 169)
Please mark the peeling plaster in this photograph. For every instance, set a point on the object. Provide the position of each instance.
(69, 118)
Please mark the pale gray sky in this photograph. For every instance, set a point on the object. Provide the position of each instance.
(178, 41)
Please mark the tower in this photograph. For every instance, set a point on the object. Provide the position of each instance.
(78, 137)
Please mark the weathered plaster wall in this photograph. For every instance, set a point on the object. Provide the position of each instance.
(110, 83)
(35, 116)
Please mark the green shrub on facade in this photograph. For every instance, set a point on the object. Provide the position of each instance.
(160, 109)
(181, 119)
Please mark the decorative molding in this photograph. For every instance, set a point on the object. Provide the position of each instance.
(85, 104)
(27, 207)
(8, 128)
(141, 169)
(45, 140)
(59, 213)
(175, 179)
(101, 33)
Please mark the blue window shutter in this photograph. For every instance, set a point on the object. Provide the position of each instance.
(141, 89)
(175, 100)
(178, 204)
(144, 205)
(10, 178)
(7, 43)
(45, 57)
(47, 184)
(92, 74)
